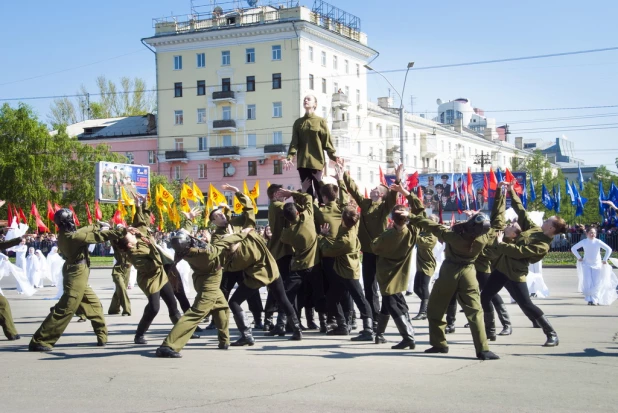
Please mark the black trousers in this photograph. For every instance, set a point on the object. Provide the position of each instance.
(518, 290)
(338, 286)
(394, 305)
(230, 279)
(421, 285)
(243, 293)
(482, 278)
(370, 284)
(181, 296)
(311, 277)
(330, 276)
(283, 264)
(154, 304)
(306, 173)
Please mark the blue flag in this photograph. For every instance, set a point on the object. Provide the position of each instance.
(499, 176)
(579, 209)
(569, 191)
(580, 178)
(578, 197)
(612, 195)
(547, 199)
(557, 199)
(602, 207)
(524, 195)
(532, 191)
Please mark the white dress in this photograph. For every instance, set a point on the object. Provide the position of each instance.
(55, 262)
(438, 252)
(7, 268)
(596, 280)
(45, 270)
(412, 271)
(534, 280)
(33, 269)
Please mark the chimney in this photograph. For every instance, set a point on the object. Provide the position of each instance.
(459, 125)
(385, 102)
(519, 142)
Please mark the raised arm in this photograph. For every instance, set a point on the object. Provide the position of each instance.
(352, 188)
(498, 221)
(443, 233)
(337, 247)
(327, 143)
(539, 249)
(303, 201)
(522, 216)
(8, 244)
(92, 234)
(216, 248)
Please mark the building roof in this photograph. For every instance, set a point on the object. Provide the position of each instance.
(113, 127)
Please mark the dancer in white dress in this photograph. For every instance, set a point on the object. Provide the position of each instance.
(45, 270)
(55, 262)
(7, 268)
(595, 273)
(33, 268)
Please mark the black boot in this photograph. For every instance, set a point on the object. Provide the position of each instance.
(435, 350)
(139, 339)
(422, 311)
(450, 318)
(505, 320)
(246, 339)
(352, 320)
(535, 324)
(279, 329)
(257, 321)
(174, 318)
(297, 335)
(341, 329)
(167, 352)
(487, 355)
(490, 326)
(367, 333)
(38, 347)
(309, 315)
(322, 318)
(383, 320)
(552, 336)
(407, 332)
(13, 338)
(268, 322)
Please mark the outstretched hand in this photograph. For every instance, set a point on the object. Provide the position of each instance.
(287, 164)
(325, 229)
(228, 187)
(284, 193)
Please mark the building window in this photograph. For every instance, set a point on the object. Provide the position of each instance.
(324, 112)
(406, 136)
(347, 90)
(178, 117)
(202, 143)
(358, 121)
(201, 87)
(414, 139)
(311, 82)
(370, 128)
(201, 115)
(380, 131)
(226, 84)
(311, 53)
(201, 60)
(227, 140)
(277, 137)
(347, 67)
(277, 110)
(277, 166)
(449, 147)
(358, 97)
(443, 170)
(225, 58)
(336, 87)
(323, 85)
(323, 56)
(250, 55)
(415, 161)
(442, 146)
(250, 83)
(252, 140)
(357, 70)
(177, 62)
(380, 154)
(277, 52)
(227, 112)
(177, 172)
(179, 144)
(129, 156)
(152, 157)
(226, 167)
(358, 148)
(250, 112)
(251, 168)
(359, 173)
(178, 89)
(371, 155)
(335, 63)
(202, 171)
(276, 80)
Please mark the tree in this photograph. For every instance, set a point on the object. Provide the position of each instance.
(616, 162)
(62, 112)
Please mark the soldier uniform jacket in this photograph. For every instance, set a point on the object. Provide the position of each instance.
(394, 250)
(330, 213)
(374, 215)
(276, 221)
(252, 257)
(302, 235)
(310, 138)
(529, 247)
(345, 248)
(244, 220)
(425, 260)
(483, 261)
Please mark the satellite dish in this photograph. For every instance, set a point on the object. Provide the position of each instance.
(252, 3)
(439, 101)
(231, 170)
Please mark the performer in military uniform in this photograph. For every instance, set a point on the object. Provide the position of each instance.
(120, 275)
(310, 138)
(425, 268)
(530, 244)
(6, 317)
(73, 245)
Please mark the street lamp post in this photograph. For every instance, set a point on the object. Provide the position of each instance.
(482, 160)
(401, 120)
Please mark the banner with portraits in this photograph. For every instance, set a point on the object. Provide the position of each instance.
(111, 177)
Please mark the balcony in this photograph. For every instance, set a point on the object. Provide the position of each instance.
(392, 157)
(224, 151)
(340, 100)
(276, 148)
(340, 127)
(429, 146)
(176, 156)
(224, 125)
(224, 96)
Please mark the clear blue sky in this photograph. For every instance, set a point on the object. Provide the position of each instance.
(44, 37)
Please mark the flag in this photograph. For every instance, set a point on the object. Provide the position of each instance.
(16, 215)
(601, 198)
(187, 192)
(50, 211)
(88, 215)
(547, 199)
(419, 191)
(382, 178)
(10, 216)
(578, 197)
(453, 184)
(485, 188)
(125, 197)
(117, 218)
(493, 181)
(77, 224)
(184, 204)
(569, 191)
(510, 178)
(470, 185)
(366, 194)
(524, 196)
(255, 191)
(161, 221)
(612, 195)
(237, 206)
(40, 225)
(165, 195)
(97, 210)
(121, 210)
(499, 175)
(412, 181)
(453, 222)
(215, 197)
(557, 199)
(459, 205)
(198, 193)
(153, 220)
(35, 212)
(57, 207)
(148, 198)
(21, 215)
(532, 191)
(159, 200)
(580, 178)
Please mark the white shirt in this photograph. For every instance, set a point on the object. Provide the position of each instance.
(592, 251)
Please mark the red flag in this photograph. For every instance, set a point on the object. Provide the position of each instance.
(470, 186)
(74, 216)
(508, 176)
(57, 207)
(22, 216)
(153, 220)
(40, 225)
(50, 211)
(493, 181)
(453, 222)
(485, 188)
(10, 216)
(382, 178)
(419, 192)
(88, 215)
(413, 181)
(97, 210)
(117, 217)
(34, 211)
(366, 194)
